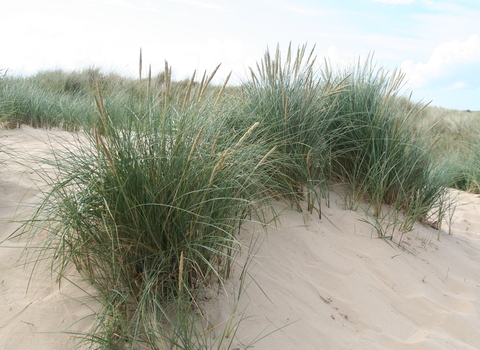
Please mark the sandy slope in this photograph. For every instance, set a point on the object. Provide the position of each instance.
(337, 288)
(33, 319)
(327, 281)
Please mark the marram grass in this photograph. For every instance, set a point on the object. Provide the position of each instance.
(148, 213)
(147, 203)
(292, 103)
(379, 157)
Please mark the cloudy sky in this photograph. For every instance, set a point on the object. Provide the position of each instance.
(435, 42)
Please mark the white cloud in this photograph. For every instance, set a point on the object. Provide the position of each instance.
(135, 6)
(339, 58)
(205, 4)
(450, 62)
(206, 54)
(305, 10)
(456, 86)
(395, 1)
(150, 6)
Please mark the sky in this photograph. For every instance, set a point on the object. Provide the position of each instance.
(436, 43)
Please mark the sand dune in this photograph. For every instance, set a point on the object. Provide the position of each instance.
(321, 284)
(33, 308)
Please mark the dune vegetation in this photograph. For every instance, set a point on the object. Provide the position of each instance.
(148, 200)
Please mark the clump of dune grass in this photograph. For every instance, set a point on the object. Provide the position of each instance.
(148, 212)
(454, 135)
(380, 158)
(25, 101)
(291, 101)
(64, 99)
(347, 126)
(466, 165)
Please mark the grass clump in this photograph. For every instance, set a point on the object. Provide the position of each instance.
(379, 157)
(64, 99)
(455, 137)
(148, 213)
(466, 165)
(347, 126)
(291, 101)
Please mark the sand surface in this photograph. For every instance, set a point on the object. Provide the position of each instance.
(34, 310)
(318, 283)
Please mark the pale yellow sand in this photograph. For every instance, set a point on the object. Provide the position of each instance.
(328, 281)
(33, 319)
